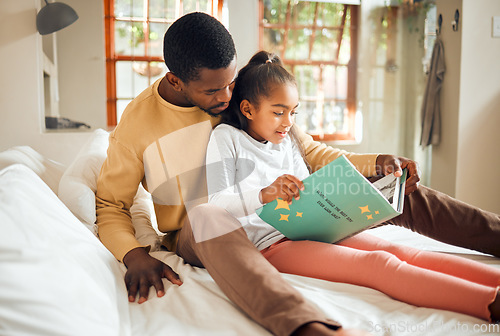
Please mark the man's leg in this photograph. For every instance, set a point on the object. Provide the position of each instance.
(242, 273)
(451, 221)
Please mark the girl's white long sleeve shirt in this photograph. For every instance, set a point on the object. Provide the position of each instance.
(239, 167)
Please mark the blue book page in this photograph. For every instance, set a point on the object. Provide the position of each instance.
(337, 201)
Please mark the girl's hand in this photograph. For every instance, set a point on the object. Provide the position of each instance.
(286, 187)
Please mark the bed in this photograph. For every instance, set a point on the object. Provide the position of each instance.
(56, 278)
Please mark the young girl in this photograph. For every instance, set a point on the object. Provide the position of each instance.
(261, 160)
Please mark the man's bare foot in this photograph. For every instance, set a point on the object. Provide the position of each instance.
(495, 309)
(319, 329)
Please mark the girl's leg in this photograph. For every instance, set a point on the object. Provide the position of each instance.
(382, 271)
(440, 262)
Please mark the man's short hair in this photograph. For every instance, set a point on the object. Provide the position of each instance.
(194, 41)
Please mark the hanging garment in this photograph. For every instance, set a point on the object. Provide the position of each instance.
(431, 114)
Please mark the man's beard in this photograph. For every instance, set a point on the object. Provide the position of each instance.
(210, 113)
(206, 110)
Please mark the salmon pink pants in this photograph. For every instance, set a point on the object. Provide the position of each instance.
(422, 278)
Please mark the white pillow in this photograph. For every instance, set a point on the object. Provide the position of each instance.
(78, 186)
(49, 171)
(79, 182)
(56, 278)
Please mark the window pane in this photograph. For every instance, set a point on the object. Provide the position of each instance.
(133, 77)
(129, 8)
(122, 38)
(345, 47)
(120, 107)
(306, 118)
(123, 8)
(307, 79)
(273, 40)
(331, 14)
(298, 44)
(138, 8)
(124, 80)
(129, 38)
(335, 82)
(162, 9)
(275, 11)
(303, 13)
(141, 73)
(196, 6)
(156, 32)
(326, 118)
(325, 45)
(334, 115)
(159, 72)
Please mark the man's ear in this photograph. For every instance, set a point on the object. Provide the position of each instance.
(175, 81)
(246, 108)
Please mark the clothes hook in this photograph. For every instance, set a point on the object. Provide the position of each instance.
(440, 22)
(454, 24)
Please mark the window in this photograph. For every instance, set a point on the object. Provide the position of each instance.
(317, 42)
(134, 32)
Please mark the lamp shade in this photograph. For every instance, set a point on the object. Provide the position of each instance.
(54, 16)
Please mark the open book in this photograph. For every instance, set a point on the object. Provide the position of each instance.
(337, 202)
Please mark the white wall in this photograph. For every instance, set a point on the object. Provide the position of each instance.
(466, 163)
(243, 16)
(21, 111)
(81, 62)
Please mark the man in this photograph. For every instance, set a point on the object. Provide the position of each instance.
(161, 141)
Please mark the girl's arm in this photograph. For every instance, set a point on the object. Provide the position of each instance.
(224, 172)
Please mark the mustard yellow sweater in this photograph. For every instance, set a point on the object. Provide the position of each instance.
(163, 147)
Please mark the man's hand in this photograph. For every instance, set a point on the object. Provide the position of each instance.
(286, 187)
(144, 271)
(390, 164)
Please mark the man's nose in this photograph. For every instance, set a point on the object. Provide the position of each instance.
(224, 95)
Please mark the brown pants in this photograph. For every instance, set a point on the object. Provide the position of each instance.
(255, 286)
(441, 217)
(244, 275)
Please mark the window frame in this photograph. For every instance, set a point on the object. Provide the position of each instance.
(112, 58)
(352, 65)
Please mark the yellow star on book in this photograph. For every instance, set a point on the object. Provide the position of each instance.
(364, 209)
(369, 217)
(376, 212)
(281, 204)
(299, 214)
(284, 217)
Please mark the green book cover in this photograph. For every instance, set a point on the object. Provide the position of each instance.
(337, 202)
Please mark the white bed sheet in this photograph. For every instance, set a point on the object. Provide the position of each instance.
(199, 308)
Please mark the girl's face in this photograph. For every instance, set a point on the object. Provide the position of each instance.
(274, 116)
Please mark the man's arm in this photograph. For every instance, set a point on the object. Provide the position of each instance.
(117, 185)
(319, 154)
(118, 181)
